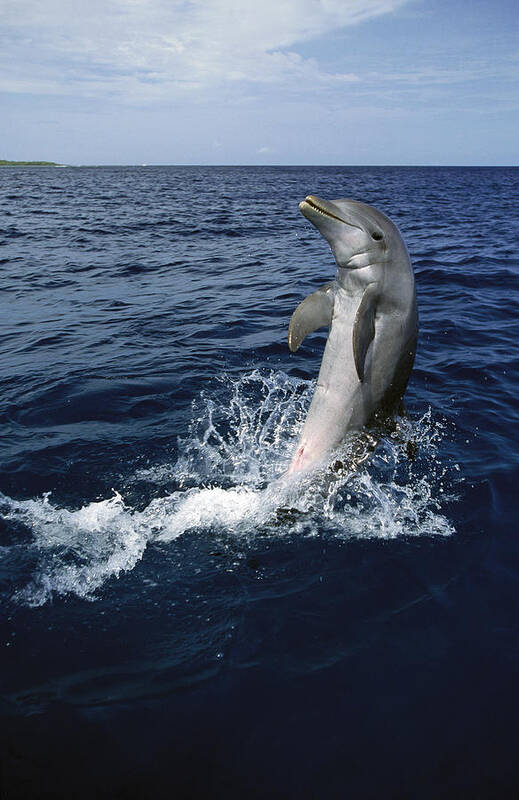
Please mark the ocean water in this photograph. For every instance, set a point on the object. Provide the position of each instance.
(176, 621)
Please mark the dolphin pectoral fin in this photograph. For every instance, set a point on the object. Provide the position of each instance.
(364, 328)
(315, 311)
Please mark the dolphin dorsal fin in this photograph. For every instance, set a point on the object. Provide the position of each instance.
(364, 328)
(315, 311)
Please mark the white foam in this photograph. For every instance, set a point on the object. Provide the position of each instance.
(207, 508)
(231, 477)
(77, 550)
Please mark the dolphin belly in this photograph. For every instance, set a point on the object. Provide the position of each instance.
(339, 400)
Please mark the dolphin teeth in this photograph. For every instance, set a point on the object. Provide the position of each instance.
(322, 211)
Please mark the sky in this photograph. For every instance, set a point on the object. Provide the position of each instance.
(260, 81)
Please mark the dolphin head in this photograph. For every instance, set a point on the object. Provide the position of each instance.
(358, 234)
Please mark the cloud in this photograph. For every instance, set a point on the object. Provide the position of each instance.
(147, 50)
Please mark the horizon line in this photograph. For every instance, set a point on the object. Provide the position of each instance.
(34, 162)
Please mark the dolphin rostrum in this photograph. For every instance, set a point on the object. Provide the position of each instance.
(371, 310)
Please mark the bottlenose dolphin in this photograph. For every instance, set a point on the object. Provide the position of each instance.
(372, 313)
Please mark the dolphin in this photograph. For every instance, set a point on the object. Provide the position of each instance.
(371, 310)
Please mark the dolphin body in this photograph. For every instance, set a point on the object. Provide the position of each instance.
(372, 313)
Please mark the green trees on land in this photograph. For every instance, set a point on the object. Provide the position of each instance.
(4, 163)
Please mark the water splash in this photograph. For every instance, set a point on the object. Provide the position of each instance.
(244, 430)
(76, 551)
(231, 481)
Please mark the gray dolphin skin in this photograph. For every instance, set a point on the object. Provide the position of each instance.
(372, 313)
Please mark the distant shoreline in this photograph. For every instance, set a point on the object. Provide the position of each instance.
(4, 163)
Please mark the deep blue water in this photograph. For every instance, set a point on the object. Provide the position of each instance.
(172, 624)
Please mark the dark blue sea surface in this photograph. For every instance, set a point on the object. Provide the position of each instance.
(175, 622)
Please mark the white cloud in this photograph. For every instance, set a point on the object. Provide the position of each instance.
(146, 50)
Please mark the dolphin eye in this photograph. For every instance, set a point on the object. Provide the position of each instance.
(377, 236)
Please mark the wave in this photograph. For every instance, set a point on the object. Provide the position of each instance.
(230, 481)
